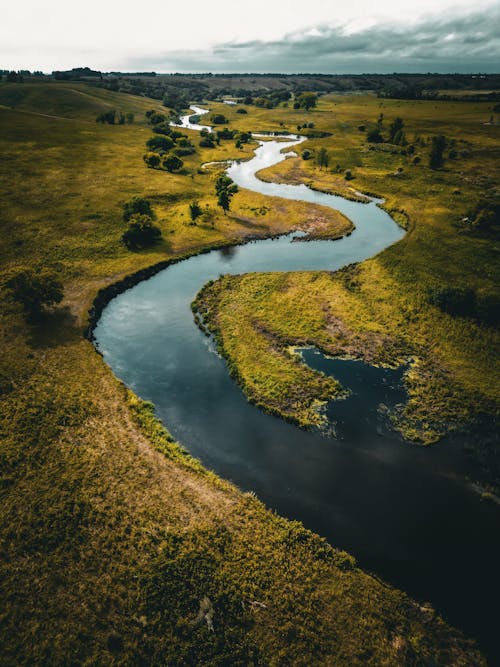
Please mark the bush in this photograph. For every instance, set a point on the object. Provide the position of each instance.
(207, 142)
(137, 205)
(241, 110)
(348, 175)
(306, 154)
(172, 163)
(374, 136)
(141, 233)
(219, 119)
(163, 128)
(159, 143)
(226, 133)
(182, 152)
(35, 290)
(108, 117)
(152, 160)
(156, 118)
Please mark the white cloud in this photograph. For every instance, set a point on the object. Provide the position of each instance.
(111, 35)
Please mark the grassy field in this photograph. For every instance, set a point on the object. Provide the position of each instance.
(117, 548)
(379, 311)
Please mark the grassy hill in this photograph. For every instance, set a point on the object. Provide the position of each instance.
(116, 547)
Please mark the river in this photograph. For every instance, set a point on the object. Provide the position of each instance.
(404, 511)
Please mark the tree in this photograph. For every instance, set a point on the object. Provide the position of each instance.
(141, 232)
(35, 290)
(137, 205)
(224, 200)
(436, 159)
(223, 182)
(225, 188)
(194, 210)
(322, 158)
(172, 163)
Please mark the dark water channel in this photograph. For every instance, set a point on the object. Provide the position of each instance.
(405, 512)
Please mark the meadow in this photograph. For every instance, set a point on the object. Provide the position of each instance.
(116, 546)
(382, 310)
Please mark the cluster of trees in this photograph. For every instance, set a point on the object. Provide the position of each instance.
(225, 188)
(464, 302)
(396, 136)
(168, 146)
(396, 133)
(141, 232)
(305, 101)
(211, 139)
(113, 117)
(14, 77)
(35, 290)
(270, 100)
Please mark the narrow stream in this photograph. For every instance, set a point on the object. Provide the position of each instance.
(403, 511)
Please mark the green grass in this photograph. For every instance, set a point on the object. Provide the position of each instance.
(380, 311)
(111, 534)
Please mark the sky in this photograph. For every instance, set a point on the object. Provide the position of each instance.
(289, 36)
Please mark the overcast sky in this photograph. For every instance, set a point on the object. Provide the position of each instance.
(256, 36)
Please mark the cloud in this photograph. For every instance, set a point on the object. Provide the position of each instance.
(465, 43)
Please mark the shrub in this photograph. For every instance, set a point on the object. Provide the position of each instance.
(163, 128)
(241, 110)
(219, 119)
(172, 163)
(374, 136)
(156, 118)
(348, 175)
(108, 117)
(306, 154)
(159, 143)
(141, 233)
(152, 160)
(206, 142)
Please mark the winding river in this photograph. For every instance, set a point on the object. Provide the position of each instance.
(403, 511)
